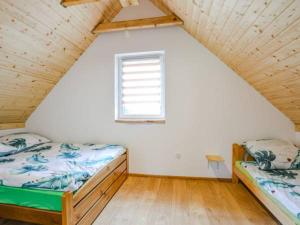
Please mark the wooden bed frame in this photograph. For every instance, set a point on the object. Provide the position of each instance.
(81, 208)
(239, 154)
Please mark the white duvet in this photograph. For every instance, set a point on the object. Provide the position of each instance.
(56, 166)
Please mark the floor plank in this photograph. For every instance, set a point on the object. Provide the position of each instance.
(164, 201)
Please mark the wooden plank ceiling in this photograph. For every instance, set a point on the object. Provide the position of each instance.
(162, 21)
(259, 39)
(40, 40)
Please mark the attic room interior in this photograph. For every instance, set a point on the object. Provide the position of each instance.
(150, 112)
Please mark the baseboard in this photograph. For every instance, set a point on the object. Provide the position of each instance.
(181, 177)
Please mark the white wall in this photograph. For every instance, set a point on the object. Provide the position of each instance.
(297, 141)
(145, 10)
(11, 131)
(208, 106)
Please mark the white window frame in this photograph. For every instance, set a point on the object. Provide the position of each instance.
(119, 116)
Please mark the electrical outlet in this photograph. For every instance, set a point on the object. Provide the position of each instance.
(178, 156)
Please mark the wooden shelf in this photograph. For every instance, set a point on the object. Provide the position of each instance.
(215, 158)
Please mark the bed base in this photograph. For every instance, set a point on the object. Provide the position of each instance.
(238, 154)
(81, 208)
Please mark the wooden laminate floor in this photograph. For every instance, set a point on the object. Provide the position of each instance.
(163, 201)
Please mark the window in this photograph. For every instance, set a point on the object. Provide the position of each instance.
(139, 87)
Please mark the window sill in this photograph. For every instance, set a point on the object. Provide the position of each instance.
(160, 121)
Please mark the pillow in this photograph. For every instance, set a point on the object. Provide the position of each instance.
(296, 162)
(6, 150)
(273, 154)
(23, 140)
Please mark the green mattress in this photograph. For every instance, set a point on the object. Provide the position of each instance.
(33, 198)
(281, 205)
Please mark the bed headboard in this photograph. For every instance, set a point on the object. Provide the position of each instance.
(240, 154)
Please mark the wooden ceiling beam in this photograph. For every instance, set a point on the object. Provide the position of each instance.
(67, 3)
(162, 7)
(126, 3)
(138, 24)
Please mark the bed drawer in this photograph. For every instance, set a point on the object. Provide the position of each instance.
(98, 192)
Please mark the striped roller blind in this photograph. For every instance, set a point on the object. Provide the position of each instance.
(141, 86)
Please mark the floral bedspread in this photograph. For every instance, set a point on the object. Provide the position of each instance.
(54, 166)
(282, 185)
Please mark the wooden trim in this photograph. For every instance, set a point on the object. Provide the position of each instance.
(164, 8)
(138, 24)
(238, 155)
(30, 215)
(5, 126)
(67, 3)
(67, 208)
(297, 127)
(82, 207)
(180, 177)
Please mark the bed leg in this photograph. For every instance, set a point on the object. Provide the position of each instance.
(127, 163)
(235, 178)
(237, 155)
(67, 208)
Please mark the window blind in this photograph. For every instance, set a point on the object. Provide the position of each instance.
(140, 86)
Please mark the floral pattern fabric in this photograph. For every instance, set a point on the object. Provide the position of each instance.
(282, 185)
(54, 166)
(21, 141)
(6, 149)
(274, 154)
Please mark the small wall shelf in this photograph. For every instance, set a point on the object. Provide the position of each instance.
(214, 159)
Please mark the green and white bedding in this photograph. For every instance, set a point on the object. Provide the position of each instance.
(274, 154)
(55, 166)
(283, 186)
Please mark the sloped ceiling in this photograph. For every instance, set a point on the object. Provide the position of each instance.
(40, 40)
(259, 39)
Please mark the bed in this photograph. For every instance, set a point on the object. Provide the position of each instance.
(278, 190)
(60, 183)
